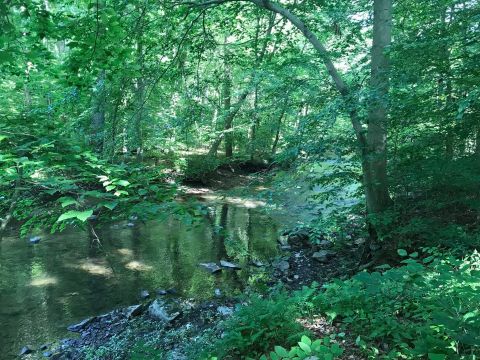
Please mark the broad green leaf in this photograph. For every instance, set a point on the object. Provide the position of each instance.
(80, 215)
(434, 356)
(281, 351)
(67, 201)
(402, 252)
(122, 182)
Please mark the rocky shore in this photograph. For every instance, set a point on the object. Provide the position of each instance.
(166, 326)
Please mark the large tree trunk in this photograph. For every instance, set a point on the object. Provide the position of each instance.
(374, 155)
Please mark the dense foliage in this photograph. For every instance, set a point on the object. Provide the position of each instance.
(106, 106)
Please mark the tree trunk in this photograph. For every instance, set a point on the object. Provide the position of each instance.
(228, 121)
(277, 133)
(227, 104)
(98, 115)
(374, 159)
(140, 93)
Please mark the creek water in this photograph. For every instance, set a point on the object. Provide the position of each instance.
(67, 277)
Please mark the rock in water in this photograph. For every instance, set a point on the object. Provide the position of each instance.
(81, 325)
(218, 293)
(229, 265)
(144, 294)
(160, 310)
(162, 292)
(35, 239)
(47, 354)
(130, 224)
(211, 267)
(25, 350)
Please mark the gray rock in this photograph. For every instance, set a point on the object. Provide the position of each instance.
(162, 311)
(130, 224)
(172, 291)
(162, 292)
(282, 265)
(323, 255)
(320, 256)
(285, 247)
(135, 310)
(144, 294)
(218, 293)
(25, 350)
(133, 218)
(81, 325)
(229, 265)
(257, 263)
(325, 243)
(44, 347)
(35, 239)
(299, 236)
(47, 354)
(211, 267)
(224, 310)
(359, 241)
(283, 240)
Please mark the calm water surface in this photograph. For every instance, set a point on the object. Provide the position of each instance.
(66, 277)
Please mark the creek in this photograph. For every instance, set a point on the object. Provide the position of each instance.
(68, 277)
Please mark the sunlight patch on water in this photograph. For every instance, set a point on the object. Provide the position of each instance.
(138, 266)
(125, 252)
(235, 200)
(95, 267)
(44, 281)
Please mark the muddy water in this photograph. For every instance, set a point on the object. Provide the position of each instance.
(67, 277)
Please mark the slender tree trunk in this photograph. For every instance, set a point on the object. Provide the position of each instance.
(98, 115)
(228, 121)
(140, 92)
(227, 104)
(277, 132)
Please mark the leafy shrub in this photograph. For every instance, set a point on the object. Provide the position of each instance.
(256, 328)
(306, 348)
(199, 166)
(424, 308)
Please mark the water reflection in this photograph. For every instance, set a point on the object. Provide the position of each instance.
(63, 279)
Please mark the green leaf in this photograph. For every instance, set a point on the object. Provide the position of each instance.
(67, 201)
(80, 215)
(306, 340)
(110, 187)
(433, 356)
(122, 182)
(305, 347)
(402, 252)
(110, 204)
(281, 351)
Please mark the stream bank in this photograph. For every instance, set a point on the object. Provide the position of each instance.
(234, 215)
